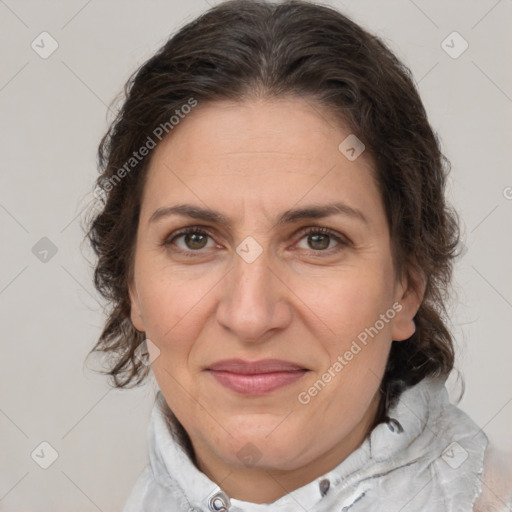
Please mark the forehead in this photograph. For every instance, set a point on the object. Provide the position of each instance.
(228, 132)
(269, 153)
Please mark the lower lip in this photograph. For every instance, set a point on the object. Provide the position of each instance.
(257, 384)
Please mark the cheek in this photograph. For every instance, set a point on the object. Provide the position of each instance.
(349, 301)
(175, 310)
(357, 308)
(356, 356)
(169, 298)
(174, 306)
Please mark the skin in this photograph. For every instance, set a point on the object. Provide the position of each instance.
(304, 299)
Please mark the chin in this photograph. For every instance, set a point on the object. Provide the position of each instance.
(258, 449)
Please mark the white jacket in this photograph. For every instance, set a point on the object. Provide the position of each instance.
(429, 457)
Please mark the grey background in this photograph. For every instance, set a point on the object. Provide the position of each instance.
(53, 113)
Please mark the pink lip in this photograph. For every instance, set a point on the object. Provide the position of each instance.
(255, 378)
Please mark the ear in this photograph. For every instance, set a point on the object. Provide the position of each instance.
(408, 296)
(135, 308)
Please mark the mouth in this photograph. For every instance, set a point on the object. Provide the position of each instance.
(257, 377)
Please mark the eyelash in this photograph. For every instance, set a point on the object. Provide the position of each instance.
(341, 240)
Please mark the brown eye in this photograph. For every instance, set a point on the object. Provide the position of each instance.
(190, 239)
(319, 242)
(195, 241)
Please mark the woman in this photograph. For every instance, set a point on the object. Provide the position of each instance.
(275, 242)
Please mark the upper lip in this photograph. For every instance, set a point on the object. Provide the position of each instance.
(254, 367)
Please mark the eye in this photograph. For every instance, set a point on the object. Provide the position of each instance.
(322, 240)
(190, 240)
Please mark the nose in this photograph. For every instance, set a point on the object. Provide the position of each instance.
(255, 302)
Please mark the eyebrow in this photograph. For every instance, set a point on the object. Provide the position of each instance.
(288, 217)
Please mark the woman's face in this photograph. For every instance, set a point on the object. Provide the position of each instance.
(286, 263)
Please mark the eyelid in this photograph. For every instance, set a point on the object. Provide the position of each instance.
(184, 231)
(340, 237)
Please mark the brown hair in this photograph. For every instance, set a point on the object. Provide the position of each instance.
(245, 48)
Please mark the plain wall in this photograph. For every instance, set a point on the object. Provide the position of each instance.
(53, 114)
